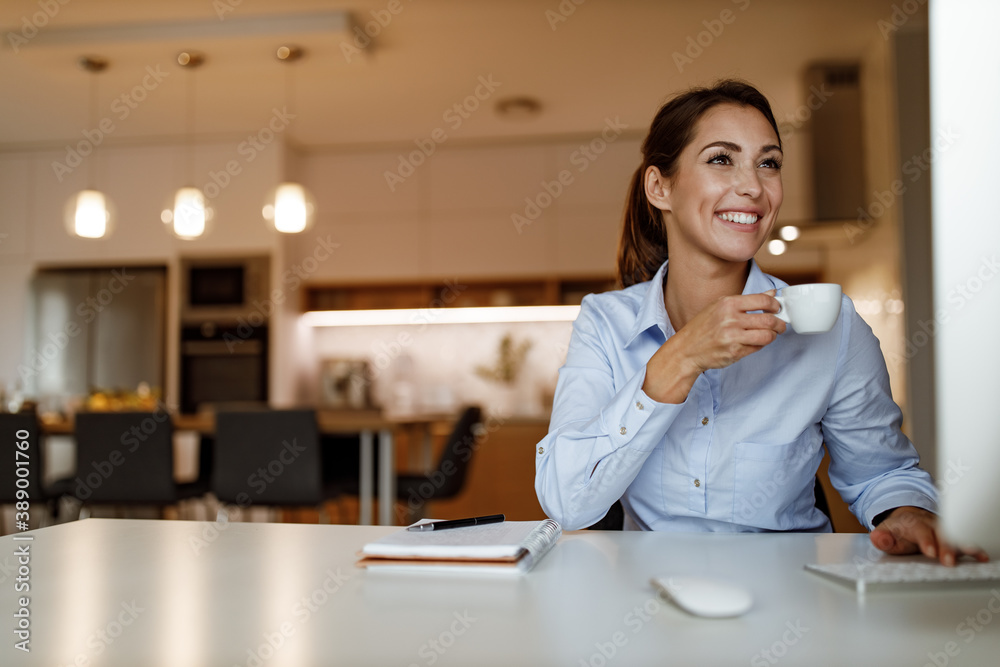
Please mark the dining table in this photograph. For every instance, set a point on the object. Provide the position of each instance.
(364, 423)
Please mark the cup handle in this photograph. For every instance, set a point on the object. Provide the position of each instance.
(782, 313)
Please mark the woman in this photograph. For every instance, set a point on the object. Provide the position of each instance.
(684, 395)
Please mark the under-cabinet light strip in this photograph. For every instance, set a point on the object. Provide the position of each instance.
(402, 316)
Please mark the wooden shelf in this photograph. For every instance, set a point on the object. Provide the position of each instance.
(454, 293)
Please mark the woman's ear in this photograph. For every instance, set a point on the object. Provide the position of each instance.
(657, 189)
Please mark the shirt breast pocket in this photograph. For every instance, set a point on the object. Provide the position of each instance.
(773, 486)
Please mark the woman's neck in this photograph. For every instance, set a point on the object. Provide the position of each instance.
(692, 286)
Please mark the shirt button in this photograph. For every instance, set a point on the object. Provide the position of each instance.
(697, 482)
(639, 405)
(704, 421)
(623, 431)
(541, 450)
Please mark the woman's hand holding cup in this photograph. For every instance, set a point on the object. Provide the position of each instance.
(718, 336)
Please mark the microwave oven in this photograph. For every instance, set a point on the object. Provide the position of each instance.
(223, 289)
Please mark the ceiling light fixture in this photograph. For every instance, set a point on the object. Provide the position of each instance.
(190, 215)
(520, 107)
(290, 208)
(88, 212)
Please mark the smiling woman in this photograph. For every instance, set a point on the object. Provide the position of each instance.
(685, 396)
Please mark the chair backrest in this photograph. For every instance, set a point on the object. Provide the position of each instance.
(125, 457)
(267, 457)
(20, 469)
(457, 453)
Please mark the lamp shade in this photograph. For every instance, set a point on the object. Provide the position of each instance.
(290, 208)
(188, 219)
(88, 214)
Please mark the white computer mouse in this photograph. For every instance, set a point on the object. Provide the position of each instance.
(705, 596)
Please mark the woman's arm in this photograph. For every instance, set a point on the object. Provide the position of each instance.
(599, 436)
(872, 464)
(611, 411)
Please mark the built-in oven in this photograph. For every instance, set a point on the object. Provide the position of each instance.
(222, 364)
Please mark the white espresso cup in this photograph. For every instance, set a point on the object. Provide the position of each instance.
(811, 308)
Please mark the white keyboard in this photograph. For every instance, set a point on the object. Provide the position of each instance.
(901, 575)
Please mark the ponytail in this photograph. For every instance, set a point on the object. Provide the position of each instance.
(642, 248)
(643, 245)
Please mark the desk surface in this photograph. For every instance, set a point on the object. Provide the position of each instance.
(120, 592)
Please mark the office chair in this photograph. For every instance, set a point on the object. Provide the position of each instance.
(127, 458)
(615, 518)
(268, 458)
(447, 479)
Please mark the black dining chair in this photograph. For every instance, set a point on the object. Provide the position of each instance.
(268, 458)
(447, 479)
(127, 459)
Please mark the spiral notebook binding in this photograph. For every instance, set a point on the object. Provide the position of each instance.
(541, 540)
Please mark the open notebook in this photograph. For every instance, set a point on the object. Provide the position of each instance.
(500, 548)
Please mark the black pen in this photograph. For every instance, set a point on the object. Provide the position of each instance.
(457, 523)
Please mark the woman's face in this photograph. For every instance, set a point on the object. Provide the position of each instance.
(725, 194)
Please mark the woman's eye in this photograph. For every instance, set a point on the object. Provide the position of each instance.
(722, 158)
(771, 163)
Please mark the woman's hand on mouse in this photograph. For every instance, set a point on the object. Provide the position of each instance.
(718, 336)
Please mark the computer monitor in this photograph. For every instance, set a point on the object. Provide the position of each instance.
(965, 99)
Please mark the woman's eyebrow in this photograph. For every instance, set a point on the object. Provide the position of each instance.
(736, 148)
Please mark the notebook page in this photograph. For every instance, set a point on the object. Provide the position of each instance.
(492, 540)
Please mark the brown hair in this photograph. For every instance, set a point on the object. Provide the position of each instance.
(642, 248)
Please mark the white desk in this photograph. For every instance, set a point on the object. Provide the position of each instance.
(131, 593)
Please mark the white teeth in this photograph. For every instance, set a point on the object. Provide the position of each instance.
(741, 218)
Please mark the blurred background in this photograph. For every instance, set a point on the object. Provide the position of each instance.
(454, 154)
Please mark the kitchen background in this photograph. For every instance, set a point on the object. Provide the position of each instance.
(433, 81)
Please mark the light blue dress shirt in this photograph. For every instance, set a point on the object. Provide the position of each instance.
(741, 452)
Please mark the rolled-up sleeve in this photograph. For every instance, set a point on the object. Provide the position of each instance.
(600, 434)
(873, 465)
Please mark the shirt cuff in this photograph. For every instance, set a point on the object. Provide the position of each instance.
(634, 419)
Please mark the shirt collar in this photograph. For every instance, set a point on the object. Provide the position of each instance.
(653, 312)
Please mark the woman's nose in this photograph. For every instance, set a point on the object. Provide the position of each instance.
(748, 182)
